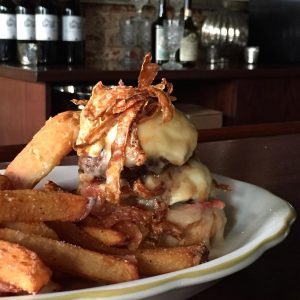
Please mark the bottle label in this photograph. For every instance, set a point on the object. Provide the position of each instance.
(7, 26)
(161, 51)
(46, 27)
(25, 27)
(189, 48)
(72, 28)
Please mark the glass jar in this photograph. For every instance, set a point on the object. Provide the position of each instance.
(226, 29)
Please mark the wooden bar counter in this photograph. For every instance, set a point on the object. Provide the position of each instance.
(263, 94)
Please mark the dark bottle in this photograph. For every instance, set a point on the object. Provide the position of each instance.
(73, 37)
(158, 41)
(26, 43)
(188, 53)
(7, 31)
(46, 31)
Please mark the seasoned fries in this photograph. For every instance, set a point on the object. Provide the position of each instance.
(22, 268)
(45, 151)
(107, 236)
(38, 228)
(75, 260)
(35, 206)
(71, 233)
(155, 261)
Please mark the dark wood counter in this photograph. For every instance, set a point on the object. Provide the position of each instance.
(265, 94)
(113, 71)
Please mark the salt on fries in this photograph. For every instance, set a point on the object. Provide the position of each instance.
(35, 206)
(38, 228)
(52, 230)
(74, 260)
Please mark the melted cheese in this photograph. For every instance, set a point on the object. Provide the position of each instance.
(199, 222)
(191, 181)
(174, 141)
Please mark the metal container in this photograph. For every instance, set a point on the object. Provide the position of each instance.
(226, 29)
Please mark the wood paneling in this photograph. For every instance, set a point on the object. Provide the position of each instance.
(22, 110)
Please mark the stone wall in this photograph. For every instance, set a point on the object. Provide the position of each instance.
(102, 29)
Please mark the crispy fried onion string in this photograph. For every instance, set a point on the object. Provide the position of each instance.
(123, 106)
(148, 72)
(118, 149)
(143, 192)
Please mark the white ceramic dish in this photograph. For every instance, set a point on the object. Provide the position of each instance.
(257, 221)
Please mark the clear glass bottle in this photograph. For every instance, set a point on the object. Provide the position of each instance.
(47, 31)
(188, 53)
(159, 48)
(7, 31)
(26, 43)
(73, 37)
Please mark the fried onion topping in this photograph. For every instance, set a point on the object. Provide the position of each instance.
(122, 107)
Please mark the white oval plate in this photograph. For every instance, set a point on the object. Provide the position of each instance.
(257, 221)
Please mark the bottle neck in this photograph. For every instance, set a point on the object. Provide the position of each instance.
(73, 7)
(25, 7)
(187, 9)
(162, 13)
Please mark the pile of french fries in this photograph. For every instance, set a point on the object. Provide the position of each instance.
(49, 232)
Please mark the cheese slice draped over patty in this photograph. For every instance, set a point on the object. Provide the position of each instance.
(174, 141)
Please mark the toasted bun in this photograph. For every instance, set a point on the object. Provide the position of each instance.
(45, 151)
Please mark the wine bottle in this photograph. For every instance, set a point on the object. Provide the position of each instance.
(26, 43)
(7, 31)
(158, 42)
(188, 53)
(73, 38)
(46, 31)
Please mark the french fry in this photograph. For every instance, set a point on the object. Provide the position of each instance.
(36, 206)
(75, 260)
(157, 261)
(45, 151)
(38, 228)
(5, 183)
(71, 233)
(108, 237)
(22, 268)
(87, 235)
